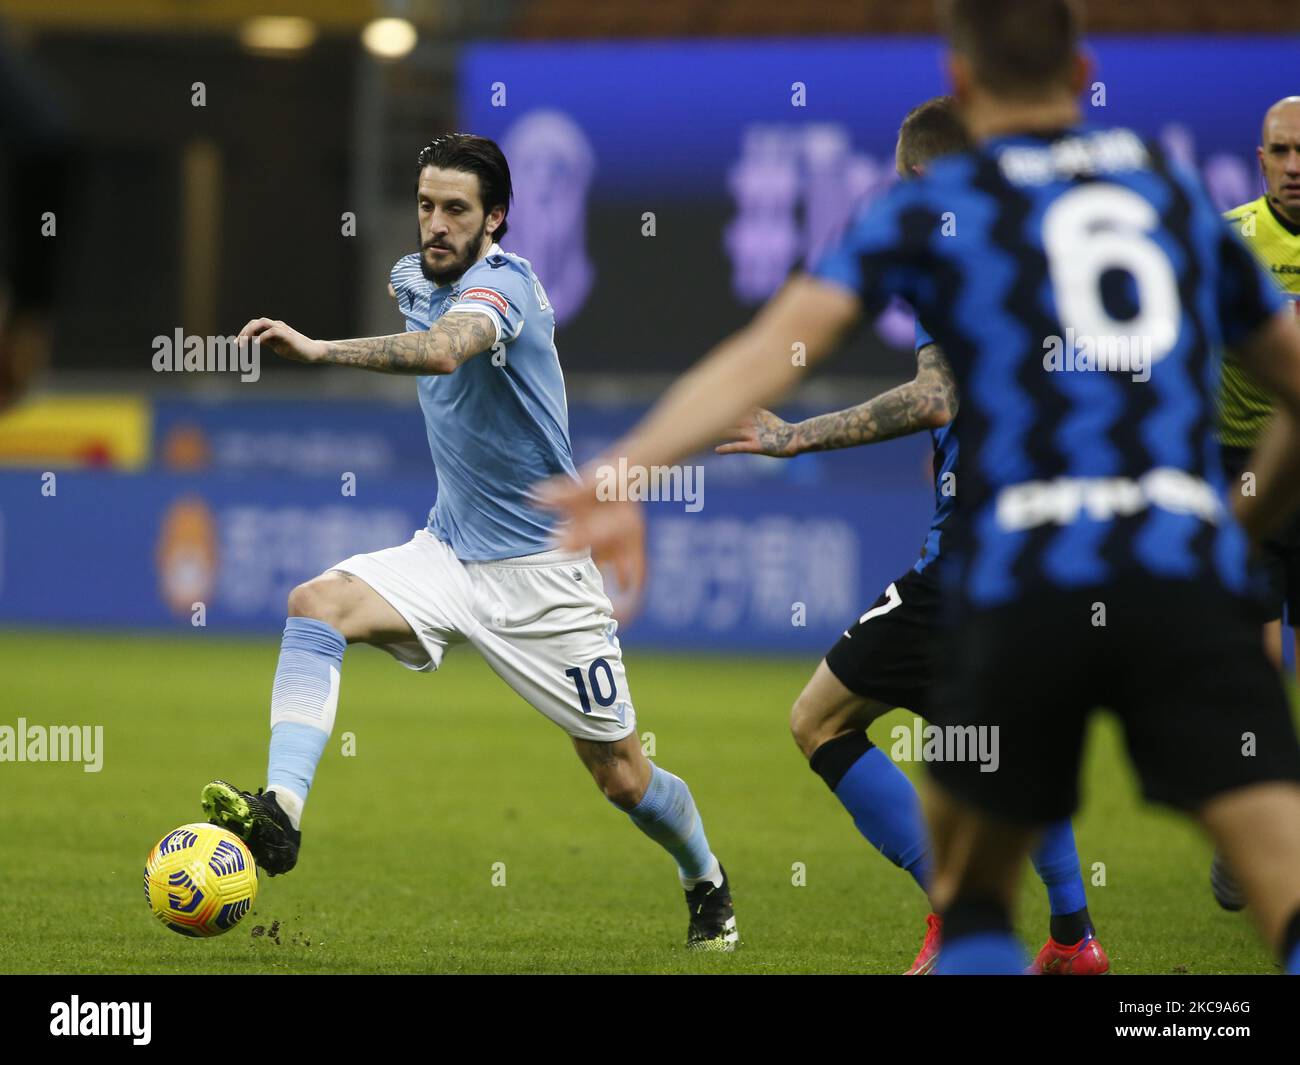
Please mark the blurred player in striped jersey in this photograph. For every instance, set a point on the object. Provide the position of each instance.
(1270, 226)
(1082, 300)
(892, 656)
(480, 341)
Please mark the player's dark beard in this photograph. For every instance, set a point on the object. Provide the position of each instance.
(459, 263)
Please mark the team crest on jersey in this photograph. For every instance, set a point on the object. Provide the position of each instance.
(486, 295)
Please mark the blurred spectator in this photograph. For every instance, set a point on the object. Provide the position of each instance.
(34, 173)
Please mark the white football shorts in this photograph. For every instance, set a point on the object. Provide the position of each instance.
(542, 622)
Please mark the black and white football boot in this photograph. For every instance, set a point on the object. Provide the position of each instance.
(258, 821)
(713, 918)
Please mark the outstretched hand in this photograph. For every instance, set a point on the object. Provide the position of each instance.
(285, 341)
(761, 433)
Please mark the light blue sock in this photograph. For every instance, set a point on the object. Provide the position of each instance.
(984, 953)
(1057, 862)
(667, 814)
(303, 703)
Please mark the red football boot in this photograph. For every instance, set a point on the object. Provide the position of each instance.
(925, 961)
(1084, 958)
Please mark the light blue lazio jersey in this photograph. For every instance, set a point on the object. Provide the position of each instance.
(500, 423)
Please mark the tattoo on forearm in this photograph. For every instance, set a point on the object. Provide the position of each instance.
(902, 410)
(775, 436)
(441, 349)
(933, 369)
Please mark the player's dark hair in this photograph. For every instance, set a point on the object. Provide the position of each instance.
(1017, 48)
(473, 155)
(930, 130)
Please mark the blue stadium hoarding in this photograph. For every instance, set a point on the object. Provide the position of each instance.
(781, 568)
(663, 189)
(244, 498)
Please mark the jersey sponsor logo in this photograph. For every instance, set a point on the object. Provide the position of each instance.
(486, 295)
(1065, 500)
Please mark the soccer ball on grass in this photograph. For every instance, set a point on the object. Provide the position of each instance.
(200, 880)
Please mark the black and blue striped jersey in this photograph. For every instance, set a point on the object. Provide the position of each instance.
(1080, 287)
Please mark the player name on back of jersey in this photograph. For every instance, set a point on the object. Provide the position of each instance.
(1079, 155)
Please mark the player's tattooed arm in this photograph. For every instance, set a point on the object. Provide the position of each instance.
(442, 349)
(928, 401)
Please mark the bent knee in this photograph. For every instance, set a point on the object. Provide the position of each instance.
(621, 786)
(808, 725)
(818, 716)
(318, 599)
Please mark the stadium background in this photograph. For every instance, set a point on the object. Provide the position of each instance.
(287, 194)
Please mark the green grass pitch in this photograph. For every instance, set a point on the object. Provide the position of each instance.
(453, 773)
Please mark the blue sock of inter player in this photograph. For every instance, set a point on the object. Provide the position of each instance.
(667, 814)
(1057, 862)
(304, 700)
(878, 796)
(977, 940)
(1291, 945)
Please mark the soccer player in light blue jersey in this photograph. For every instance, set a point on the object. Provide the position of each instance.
(480, 341)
